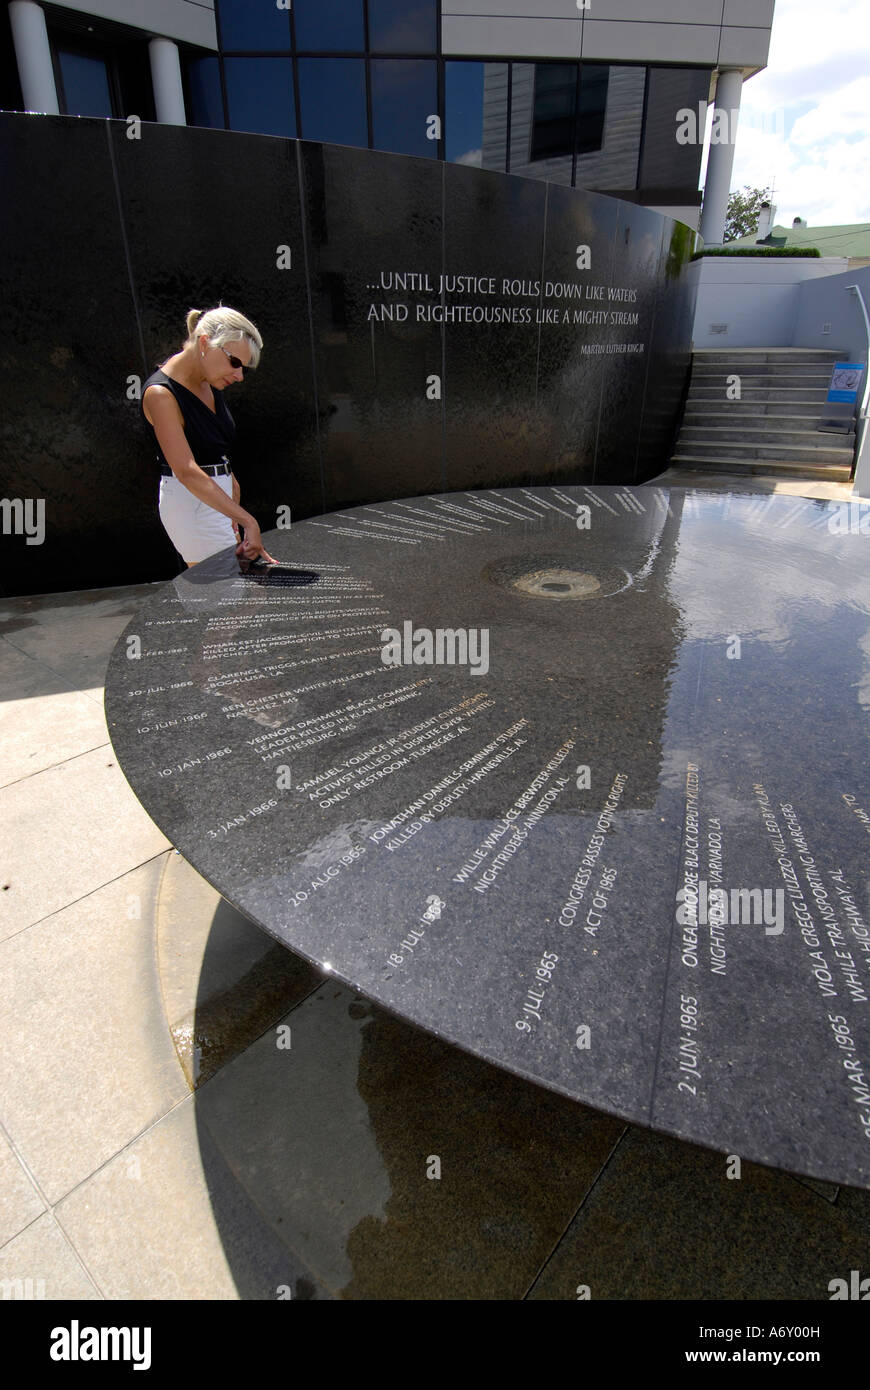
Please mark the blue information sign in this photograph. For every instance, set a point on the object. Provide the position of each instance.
(845, 381)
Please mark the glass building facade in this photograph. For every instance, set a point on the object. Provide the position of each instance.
(371, 73)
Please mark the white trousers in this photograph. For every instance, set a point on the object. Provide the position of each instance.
(195, 529)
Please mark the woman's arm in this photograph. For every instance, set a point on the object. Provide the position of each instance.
(168, 425)
(237, 492)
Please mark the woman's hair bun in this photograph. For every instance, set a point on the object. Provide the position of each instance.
(224, 325)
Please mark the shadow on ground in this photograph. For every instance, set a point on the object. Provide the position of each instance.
(350, 1155)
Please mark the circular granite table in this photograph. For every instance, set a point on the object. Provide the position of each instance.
(574, 778)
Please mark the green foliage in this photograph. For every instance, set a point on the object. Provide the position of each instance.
(768, 252)
(679, 250)
(744, 210)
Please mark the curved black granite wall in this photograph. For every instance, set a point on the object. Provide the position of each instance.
(379, 378)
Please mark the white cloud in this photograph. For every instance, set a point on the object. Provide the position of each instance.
(815, 97)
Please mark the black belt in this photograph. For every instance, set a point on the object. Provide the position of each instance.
(214, 470)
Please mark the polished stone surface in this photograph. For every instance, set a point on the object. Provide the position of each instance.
(682, 1223)
(430, 835)
(425, 326)
(178, 262)
(68, 430)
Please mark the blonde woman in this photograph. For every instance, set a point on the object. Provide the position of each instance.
(184, 405)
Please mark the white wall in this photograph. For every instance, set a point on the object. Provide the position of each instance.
(757, 299)
(822, 302)
(705, 32)
(690, 215)
(188, 21)
(830, 302)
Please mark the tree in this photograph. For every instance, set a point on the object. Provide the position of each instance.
(744, 210)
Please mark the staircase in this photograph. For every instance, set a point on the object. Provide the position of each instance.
(772, 427)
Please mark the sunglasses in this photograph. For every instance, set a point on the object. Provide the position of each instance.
(234, 362)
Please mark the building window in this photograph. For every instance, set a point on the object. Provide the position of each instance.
(542, 110)
(402, 26)
(324, 25)
(578, 124)
(608, 150)
(600, 126)
(591, 108)
(250, 26)
(476, 114)
(84, 87)
(404, 96)
(553, 111)
(570, 103)
(332, 98)
(205, 105)
(666, 165)
(105, 73)
(260, 95)
(11, 97)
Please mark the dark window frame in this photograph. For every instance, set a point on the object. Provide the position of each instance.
(189, 55)
(251, 52)
(281, 57)
(86, 48)
(543, 150)
(357, 58)
(571, 147)
(434, 52)
(579, 114)
(331, 52)
(380, 59)
(442, 101)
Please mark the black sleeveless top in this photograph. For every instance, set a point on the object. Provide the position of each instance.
(210, 434)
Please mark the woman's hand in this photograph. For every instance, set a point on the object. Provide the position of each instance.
(252, 548)
(237, 495)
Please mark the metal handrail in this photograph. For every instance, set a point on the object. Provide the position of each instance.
(862, 416)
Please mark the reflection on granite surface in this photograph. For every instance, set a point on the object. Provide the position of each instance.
(523, 855)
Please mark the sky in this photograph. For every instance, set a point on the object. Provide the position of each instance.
(805, 120)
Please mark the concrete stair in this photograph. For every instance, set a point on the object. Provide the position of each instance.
(772, 428)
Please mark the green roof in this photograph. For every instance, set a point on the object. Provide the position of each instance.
(852, 240)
